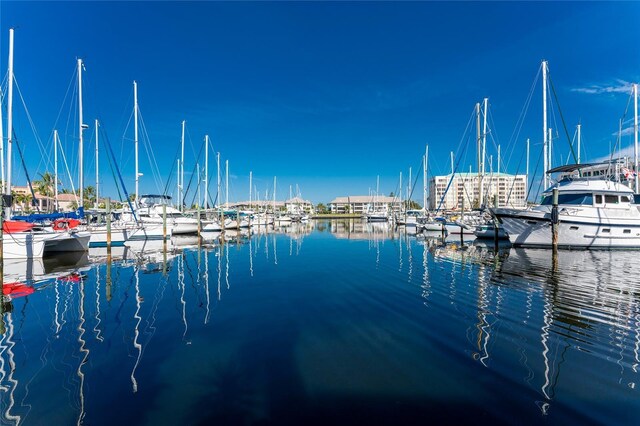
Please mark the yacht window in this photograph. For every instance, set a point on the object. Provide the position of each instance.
(611, 199)
(606, 230)
(575, 199)
(573, 228)
(625, 199)
(626, 231)
(598, 199)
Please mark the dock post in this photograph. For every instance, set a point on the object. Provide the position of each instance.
(108, 208)
(164, 222)
(199, 224)
(495, 225)
(108, 277)
(461, 227)
(1, 232)
(554, 220)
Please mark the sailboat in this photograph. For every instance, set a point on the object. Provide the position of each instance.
(377, 213)
(28, 240)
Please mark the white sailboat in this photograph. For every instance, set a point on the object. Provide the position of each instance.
(28, 241)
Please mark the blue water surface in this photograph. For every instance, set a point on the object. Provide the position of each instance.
(330, 322)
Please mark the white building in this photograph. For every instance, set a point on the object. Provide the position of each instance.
(510, 189)
(297, 205)
(360, 204)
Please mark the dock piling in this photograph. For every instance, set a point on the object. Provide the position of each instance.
(554, 219)
(108, 208)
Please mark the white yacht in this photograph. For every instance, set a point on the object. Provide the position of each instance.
(592, 213)
(410, 217)
(150, 211)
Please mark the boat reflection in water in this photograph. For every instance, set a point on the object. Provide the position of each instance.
(325, 322)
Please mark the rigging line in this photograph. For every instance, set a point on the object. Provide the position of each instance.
(459, 157)
(169, 180)
(573, 140)
(26, 172)
(540, 182)
(113, 174)
(193, 172)
(124, 188)
(155, 170)
(64, 159)
(515, 135)
(33, 127)
(415, 182)
(626, 109)
(564, 125)
(66, 96)
(124, 135)
(513, 184)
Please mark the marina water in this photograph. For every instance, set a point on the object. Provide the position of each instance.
(329, 322)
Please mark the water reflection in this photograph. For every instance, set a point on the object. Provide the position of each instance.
(368, 324)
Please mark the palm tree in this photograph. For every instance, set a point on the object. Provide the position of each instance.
(90, 193)
(45, 185)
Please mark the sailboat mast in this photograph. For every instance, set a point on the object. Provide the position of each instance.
(499, 159)
(550, 149)
(484, 143)
(527, 174)
(97, 179)
(182, 169)
(55, 168)
(400, 186)
(424, 179)
(452, 167)
(80, 128)
(135, 136)
(579, 141)
(635, 132)
(544, 125)
(274, 195)
(2, 150)
(206, 172)
(7, 189)
(226, 185)
(409, 187)
(218, 162)
(479, 149)
(250, 186)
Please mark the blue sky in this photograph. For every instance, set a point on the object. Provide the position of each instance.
(323, 95)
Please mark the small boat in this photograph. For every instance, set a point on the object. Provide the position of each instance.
(488, 231)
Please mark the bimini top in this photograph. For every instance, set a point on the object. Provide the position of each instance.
(149, 200)
(590, 186)
(568, 168)
(167, 197)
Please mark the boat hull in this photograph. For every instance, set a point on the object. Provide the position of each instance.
(68, 241)
(533, 229)
(23, 245)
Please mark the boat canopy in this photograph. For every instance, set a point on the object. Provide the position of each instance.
(49, 217)
(568, 168)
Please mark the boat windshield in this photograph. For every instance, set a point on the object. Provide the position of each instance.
(150, 200)
(572, 199)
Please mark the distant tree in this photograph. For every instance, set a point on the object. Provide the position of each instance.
(321, 208)
(413, 205)
(391, 194)
(90, 193)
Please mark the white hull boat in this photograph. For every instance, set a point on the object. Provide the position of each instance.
(595, 213)
(67, 241)
(24, 245)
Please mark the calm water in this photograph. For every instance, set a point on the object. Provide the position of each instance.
(325, 323)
